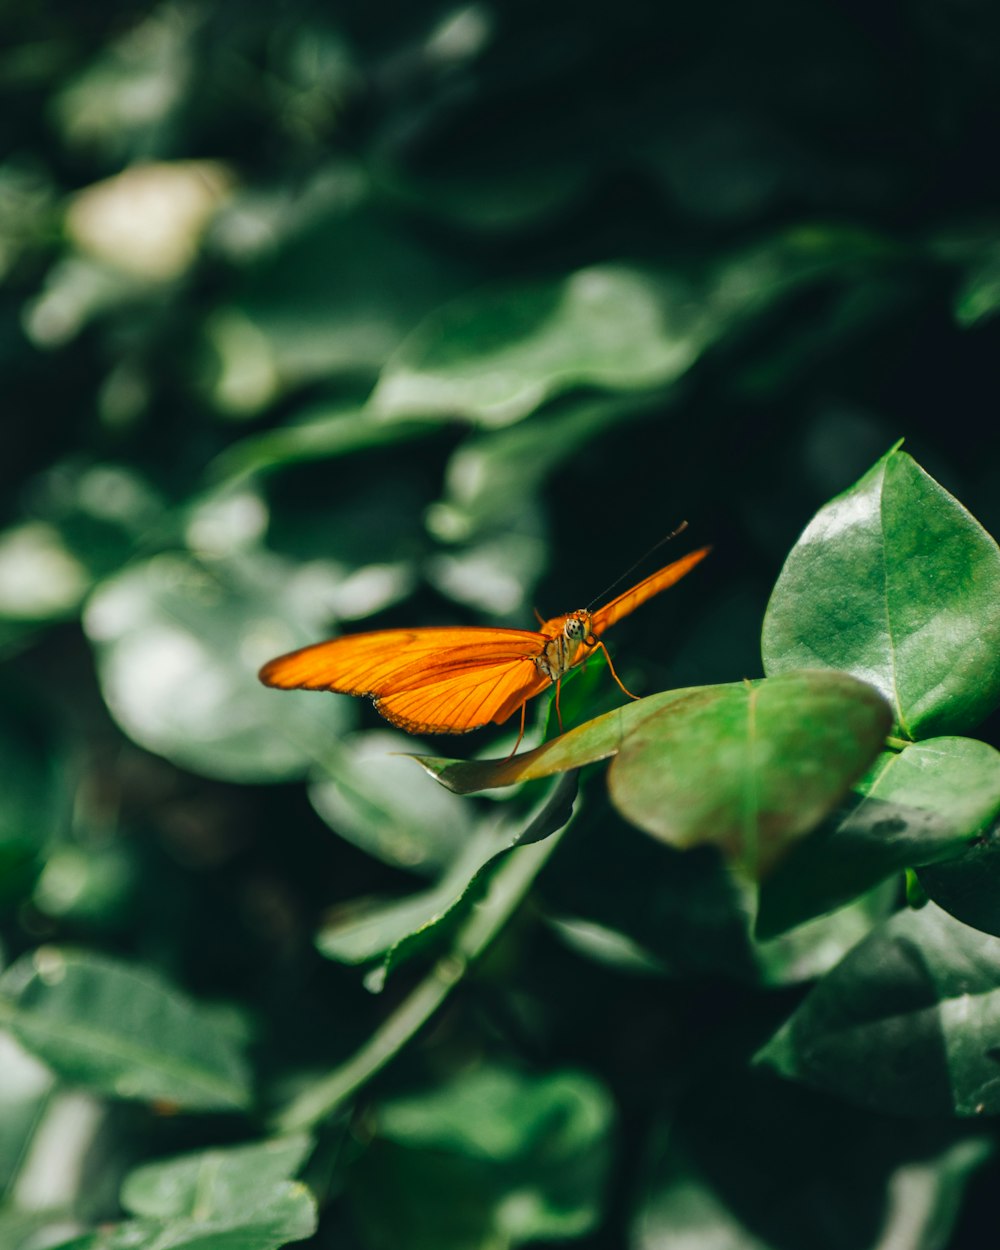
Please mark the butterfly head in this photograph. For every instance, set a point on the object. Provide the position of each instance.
(577, 626)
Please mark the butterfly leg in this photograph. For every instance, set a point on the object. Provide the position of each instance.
(558, 712)
(524, 710)
(600, 646)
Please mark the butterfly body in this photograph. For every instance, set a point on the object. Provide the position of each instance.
(443, 679)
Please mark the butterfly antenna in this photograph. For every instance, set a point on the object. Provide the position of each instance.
(642, 559)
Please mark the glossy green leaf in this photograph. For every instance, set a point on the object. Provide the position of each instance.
(490, 1158)
(813, 948)
(404, 928)
(209, 1184)
(749, 768)
(286, 1213)
(122, 1031)
(179, 642)
(906, 1024)
(913, 808)
(362, 930)
(895, 582)
(629, 901)
(592, 741)
(968, 886)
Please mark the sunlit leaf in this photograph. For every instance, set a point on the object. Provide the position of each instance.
(368, 796)
(405, 928)
(179, 643)
(751, 767)
(25, 1088)
(121, 1030)
(497, 355)
(595, 740)
(209, 1184)
(360, 931)
(895, 582)
(286, 1213)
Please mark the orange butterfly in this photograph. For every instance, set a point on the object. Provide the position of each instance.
(450, 679)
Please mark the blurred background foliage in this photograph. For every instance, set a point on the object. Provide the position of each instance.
(314, 315)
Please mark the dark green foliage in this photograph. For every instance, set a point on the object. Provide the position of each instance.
(321, 318)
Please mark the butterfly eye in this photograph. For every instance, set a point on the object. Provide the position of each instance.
(574, 629)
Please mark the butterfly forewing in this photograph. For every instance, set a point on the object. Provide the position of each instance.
(605, 617)
(452, 679)
(391, 660)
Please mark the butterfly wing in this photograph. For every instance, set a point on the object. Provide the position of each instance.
(435, 680)
(458, 699)
(605, 617)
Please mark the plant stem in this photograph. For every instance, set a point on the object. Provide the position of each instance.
(514, 878)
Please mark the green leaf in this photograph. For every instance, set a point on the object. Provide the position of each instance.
(750, 1163)
(621, 898)
(368, 797)
(495, 356)
(40, 578)
(25, 1089)
(364, 929)
(494, 478)
(121, 1031)
(404, 928)
(286, 1213)
(748, 768)
(85, 521)
(595, 740)
(913, 808)
(491, 1158)
(336, 297)
(178, 644)
(978, 295)
(968, 886)
(22, 1229)
(895, 582)
(811, 949)
(210, 1184)
(322, 433)
(906, 1023)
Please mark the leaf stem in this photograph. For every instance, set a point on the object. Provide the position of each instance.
(513, 880)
